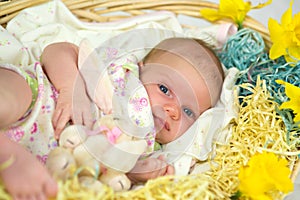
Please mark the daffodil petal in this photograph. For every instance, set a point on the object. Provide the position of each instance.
(297, 117)
(260, 5)
(261, 197)
(296, 21)
(277, 50)
(257, 178)
(229, 5)
(279, 81)
(293, 54)
(232, 9)
(275, 30)
(234, 6)
(287, 38)
(291, 3)
(282, 182)
(292, 91)
(289, 59)
(210, 14)
(287, 16)
(235, 9)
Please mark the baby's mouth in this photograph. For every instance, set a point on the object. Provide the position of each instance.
(160, 124)
(166, 126)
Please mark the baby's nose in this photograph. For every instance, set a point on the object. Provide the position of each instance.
(172, 110)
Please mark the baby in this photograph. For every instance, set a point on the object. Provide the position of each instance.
(182, 77)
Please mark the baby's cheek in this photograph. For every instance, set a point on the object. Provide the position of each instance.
(186, 123)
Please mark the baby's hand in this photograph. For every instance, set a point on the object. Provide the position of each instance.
(72, 105)
(150, 168)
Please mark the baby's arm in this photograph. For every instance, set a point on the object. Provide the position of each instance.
(150, 168)
(60, 64)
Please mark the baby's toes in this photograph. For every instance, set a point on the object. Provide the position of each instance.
(40, 196)
(24, 192)
(50, 188)
(24, 197)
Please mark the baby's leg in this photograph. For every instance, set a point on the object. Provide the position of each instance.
(15, 97)
(26, 177)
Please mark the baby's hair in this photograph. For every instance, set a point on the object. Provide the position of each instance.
(205, 45)
(209, 49)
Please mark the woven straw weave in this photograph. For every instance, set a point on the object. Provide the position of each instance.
(110, 10)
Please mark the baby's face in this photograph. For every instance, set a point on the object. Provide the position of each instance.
(177, 93)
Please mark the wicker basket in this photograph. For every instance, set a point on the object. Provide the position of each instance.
(92, 11)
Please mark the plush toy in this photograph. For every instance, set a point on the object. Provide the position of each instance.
(101, 156)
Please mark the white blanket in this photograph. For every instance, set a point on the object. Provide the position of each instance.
(26, 35)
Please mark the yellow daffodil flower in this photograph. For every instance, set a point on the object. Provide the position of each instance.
(263, 174)
(293, 92)
(285, 36)
(236, 10)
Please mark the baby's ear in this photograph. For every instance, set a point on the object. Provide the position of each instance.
(140, 65)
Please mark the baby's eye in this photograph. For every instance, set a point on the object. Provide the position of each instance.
(188, 112)
(164, 89)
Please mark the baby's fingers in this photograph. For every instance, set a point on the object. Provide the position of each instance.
(161, 157)
(83, 115)
(59, 120)
(88, 120)
(170, 170)
(77, 117)
(55, 117)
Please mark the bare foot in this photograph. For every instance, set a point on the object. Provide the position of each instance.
(26, 177)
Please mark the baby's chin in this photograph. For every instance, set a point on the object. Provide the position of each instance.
(160, 140)
(160, 134)
(163, 137)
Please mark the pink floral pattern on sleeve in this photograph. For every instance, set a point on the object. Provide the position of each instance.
(130, 89)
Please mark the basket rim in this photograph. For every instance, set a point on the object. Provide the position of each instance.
(98, 10)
